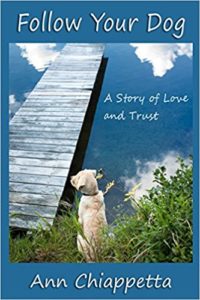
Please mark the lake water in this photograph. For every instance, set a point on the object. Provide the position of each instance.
(128, 151)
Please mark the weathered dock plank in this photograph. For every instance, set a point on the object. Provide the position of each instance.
(40, 147)
(48, 141)
(46, 127)
(38, 162)
(33, 210)
(37, 179)
(48, 200)
(55, 135)
(44, 134)
(34, 170)
(37, 189)
(18, 220)
(42, 155)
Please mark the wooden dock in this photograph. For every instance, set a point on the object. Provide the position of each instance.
(44, 134)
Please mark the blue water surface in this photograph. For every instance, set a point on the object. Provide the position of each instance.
(128, 150)
(120, 146)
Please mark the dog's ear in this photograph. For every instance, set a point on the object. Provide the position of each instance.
(81, 183)
(72, 180)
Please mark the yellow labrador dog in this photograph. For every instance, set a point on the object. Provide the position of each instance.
(91, 213)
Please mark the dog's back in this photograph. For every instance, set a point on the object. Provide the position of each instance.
(92, 217)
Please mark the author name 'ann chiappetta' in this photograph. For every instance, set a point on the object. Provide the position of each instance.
(88, 280)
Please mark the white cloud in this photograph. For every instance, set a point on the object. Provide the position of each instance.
(144, 172)
(12, 99)
(13, 105)
(39, 55)
(26, 94)
(161, 56)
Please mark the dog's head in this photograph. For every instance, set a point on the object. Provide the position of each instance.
(85, 182)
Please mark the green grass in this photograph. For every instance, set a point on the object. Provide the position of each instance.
(159, 231)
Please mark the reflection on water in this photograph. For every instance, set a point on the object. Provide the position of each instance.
(128, 151)
(27, 63)
(163, 56)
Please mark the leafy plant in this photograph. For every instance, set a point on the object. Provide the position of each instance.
(161, 229)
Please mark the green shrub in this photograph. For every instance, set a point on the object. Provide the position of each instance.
(161, 229)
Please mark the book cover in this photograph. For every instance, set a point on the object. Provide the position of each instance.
(100, 150)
